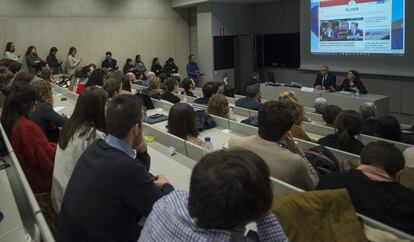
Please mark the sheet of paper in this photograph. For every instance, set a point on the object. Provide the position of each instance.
(59, 108)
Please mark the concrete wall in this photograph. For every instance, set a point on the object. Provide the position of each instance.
(128, 27)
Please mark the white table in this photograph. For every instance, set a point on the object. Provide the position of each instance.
(11, 227)
(345, 101)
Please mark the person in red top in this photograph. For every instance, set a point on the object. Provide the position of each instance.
(34, 152)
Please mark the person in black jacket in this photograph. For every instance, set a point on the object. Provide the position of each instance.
(347, 124)
(374, 187)
(109, 63)
(209, 89)
(188, 85)
(111, 188)
(129, 66)
(44, 115)
(325, 80)
(352, 83)
(53, 62)
(171, 88)
(156, 67)
(170, 67)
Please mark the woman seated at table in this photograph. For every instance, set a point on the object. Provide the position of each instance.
(86, 125)
(44, 115)
(181, 123)
(218, 105)
(348, 124)
(352, 83)
(171, 91)
(154, 90)
(35, 153)
(297, 130)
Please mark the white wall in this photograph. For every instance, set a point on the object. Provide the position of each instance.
(126, 28)
(205, 42)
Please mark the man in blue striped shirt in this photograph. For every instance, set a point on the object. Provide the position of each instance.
(228, 190)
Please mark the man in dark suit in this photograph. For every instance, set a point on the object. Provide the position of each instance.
(325, 80)
(109, 63)
(354, 32)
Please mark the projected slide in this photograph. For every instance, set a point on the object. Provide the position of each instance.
(357, 27)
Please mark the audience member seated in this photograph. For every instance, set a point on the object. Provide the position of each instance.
(407, 175)
(252, 99)
(352, 83)
(188, 85)
(32, 60)
(222, 200)
(388, 127)
(54, 64)
(6, 78)
(320, 105)
(330, 113)
(83, 76)
(71, 62)
(111, 188)
(209, 89)
(97, 78)
(44, 115)
(172, 88)
(348, 124)
(129, 66)
(228, 91)
(139, 66)
(368, 112)
(15, 67)
(181, 123)
(219, 106)
(47, 75)
(109, 63)
(23, 76)
(34, 152)
(113, 87)
(170, 67)
(9, 52)
(140, 79)
(156, 67)
(154, 90)
(255, 80)
(288, 164)
(325, 80)
(297, 131)
(86, 125)
(42, 66)
(374, 188)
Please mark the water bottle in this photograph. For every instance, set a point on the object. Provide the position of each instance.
(207, 146)
(185, 97)
(357, 92)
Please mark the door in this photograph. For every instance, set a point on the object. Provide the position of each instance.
(245, 60)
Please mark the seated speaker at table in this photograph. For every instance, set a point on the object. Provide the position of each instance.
(352, 83)
(325, 80)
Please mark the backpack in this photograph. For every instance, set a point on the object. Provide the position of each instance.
(322, 160)
(204, 120)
